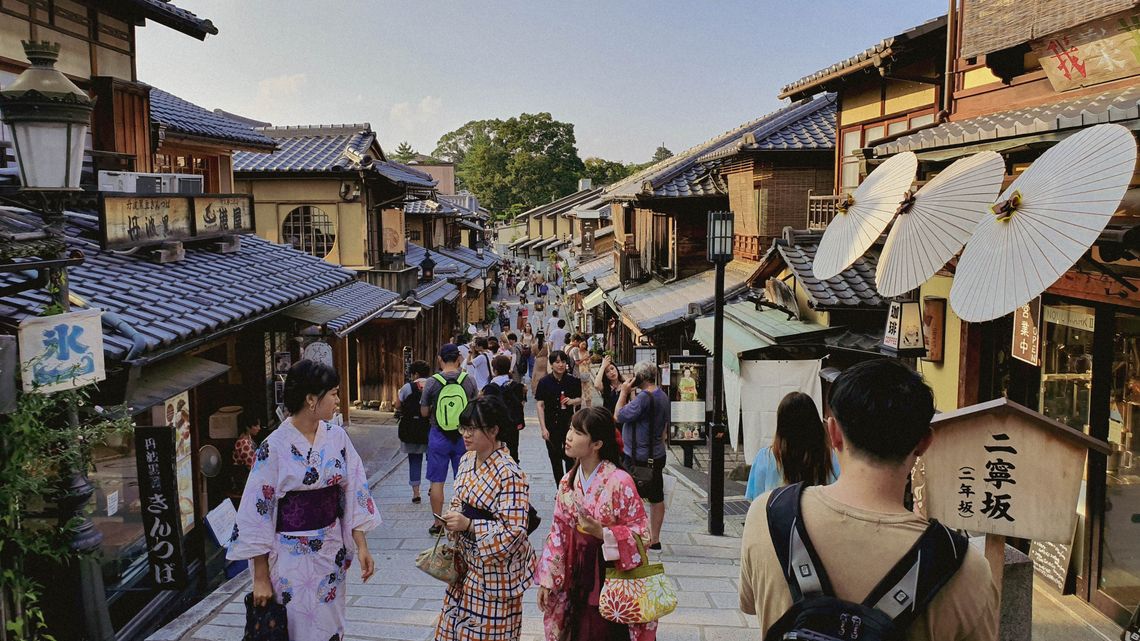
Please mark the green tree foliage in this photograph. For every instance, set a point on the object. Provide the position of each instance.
(661, 154)
(606, 172)
(404, 152)
(515, 164)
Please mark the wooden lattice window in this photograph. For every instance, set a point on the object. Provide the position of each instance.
(310, 230)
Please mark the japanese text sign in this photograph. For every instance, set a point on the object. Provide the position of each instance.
(999, 468)
(158, 491)
(1026, 332)
(135, 220)
(1091, 53)
(61, 352)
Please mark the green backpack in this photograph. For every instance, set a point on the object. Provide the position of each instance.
(450, 402)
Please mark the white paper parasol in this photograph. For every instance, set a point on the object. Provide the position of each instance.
(1043, 223)
(864, 217)
(938, 221)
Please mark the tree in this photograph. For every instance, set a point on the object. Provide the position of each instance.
(515, 164)
(606, 172)
(661, 154)
(404, 152)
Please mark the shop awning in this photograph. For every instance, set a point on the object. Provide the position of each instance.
(344, 309)
(747, 328)
(594, 298)
(517, 243)
(170, 377)
(654, 305)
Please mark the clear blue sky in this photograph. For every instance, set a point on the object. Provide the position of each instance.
(628, 75)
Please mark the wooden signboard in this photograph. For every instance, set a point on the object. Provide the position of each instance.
(1051, 561)
(1092, 53)
(1026, 344)
(158, 491)
(137, 220)
(1005, 470)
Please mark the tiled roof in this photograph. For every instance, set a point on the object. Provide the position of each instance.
(1108, 106)
(400, 312)
(327, 148)
(360, 302)
(445, 266)
(471, 257)
(805, 125)
(693, 172)
(655, 304)
(853, 287)
(609, 281)
(431, 294)
(170, 304)
(425, 207)
(563, 204)
(590, 270)
(165, 13)
(180, 116)
(867, 57)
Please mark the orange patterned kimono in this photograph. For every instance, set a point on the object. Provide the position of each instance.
(611, 498)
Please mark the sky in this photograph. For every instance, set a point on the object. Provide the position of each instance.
(629, 75)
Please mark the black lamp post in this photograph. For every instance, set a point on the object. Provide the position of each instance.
(719, 253)
(49, 117)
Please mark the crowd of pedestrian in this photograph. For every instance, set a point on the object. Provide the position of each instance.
(827, 522)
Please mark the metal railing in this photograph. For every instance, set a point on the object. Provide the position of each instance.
(821, 209)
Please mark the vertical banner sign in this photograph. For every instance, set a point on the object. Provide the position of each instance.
(687, 375)
(158, 492)
(934, 328)
(1026, 332)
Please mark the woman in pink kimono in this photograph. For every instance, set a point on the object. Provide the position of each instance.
(597, 514)
(305, 510)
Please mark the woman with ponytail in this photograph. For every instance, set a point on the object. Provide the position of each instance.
(598, 517)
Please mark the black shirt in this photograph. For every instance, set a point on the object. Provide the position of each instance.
(549, 391)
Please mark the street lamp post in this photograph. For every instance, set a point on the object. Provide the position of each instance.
(49, 117)
(720, 231)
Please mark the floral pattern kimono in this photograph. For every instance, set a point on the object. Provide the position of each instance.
(308, 570)
(486, 605)
(612, 499)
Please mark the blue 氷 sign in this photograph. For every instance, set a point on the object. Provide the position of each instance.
(61, 352)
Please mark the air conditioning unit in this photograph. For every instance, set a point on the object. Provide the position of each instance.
(183, 184)
(133, 182)
(130, 182)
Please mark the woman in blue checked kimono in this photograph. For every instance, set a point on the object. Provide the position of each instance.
(487, 523)
(305, 510)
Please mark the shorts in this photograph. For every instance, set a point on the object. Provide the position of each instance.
(441, 451)
(652, 491)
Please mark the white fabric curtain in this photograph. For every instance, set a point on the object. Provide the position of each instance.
(732, 405)
(763, 385)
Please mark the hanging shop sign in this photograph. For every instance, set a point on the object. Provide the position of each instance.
(1091, 53)
(687, 393)
(1001, 469)
(158, 492)
(1026, 345)
(61, 352)
(934, 327)
(175, 414)
(137, 220)
(319, 352)
(902, 335)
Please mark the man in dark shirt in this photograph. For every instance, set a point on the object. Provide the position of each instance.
(558, 396)
(645, 417)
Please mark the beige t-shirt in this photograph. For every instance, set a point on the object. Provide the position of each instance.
(858, 548)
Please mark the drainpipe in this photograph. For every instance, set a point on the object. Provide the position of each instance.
(138, 341)
(951, 56)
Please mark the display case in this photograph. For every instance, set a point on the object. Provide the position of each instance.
(1066, 368)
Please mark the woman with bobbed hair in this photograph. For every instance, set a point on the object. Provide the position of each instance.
(306, 509)
(800, 451)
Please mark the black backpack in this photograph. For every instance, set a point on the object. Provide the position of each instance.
(513, 395)
(903, 594)
(413, 428)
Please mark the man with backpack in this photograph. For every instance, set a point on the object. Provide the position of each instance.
(513, 395)
(847, 560)
(445, 396)
(520, 354)
(414, 428)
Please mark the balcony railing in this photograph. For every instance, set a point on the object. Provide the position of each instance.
(821, 209)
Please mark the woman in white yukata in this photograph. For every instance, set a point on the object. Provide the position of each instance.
(306, 509)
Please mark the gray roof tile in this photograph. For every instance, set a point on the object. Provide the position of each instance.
(166, 13)
(854, 287)
(804, 125)
(360, 301)
(184, 117)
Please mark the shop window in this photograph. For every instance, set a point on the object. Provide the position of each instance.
(310, 230)
(1066, 373)
(922, 121)
(1120, 565)
(849, 169)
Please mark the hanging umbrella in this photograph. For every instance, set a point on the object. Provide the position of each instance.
(867, 212)
(1043, 223)
(933, 226)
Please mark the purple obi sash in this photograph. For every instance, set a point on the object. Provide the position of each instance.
(300, 511)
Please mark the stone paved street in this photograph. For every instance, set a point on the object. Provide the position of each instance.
(401, 602)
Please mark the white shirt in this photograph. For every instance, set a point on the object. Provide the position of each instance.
(558, 339)
(480, 369)
(551, 325)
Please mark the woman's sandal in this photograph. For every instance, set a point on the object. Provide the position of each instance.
(415, 499)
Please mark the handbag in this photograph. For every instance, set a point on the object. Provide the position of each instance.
(265, 623)
(440, 561)
(640, 595)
